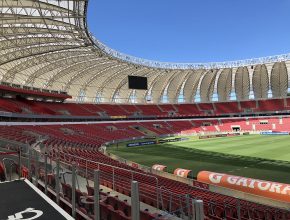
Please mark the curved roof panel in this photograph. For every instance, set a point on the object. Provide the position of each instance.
(46, 44)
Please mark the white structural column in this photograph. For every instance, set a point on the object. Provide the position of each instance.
(197, 97)
(215, 95)
(170, 84)
(191, 85)
(287, 63)
(224, 85)
(174, 86)
(233, 93)
(207, 86)
(180, 87)
(269, 68)
(160, 84)
(250, 72)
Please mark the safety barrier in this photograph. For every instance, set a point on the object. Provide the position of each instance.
(62, 178)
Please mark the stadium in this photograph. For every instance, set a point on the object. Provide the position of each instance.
(88, 132)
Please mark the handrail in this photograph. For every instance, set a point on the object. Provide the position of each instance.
(114, 167)
(133, 171)
(11, 164)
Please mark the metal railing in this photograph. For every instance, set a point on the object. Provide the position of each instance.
(54, 173)
(78, 168)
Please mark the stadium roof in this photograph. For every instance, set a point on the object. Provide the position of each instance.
(47, 44)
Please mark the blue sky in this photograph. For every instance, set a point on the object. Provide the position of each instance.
(192, 30)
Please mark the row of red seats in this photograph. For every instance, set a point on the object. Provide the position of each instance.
(118, 209)
(161, 110)
(98, 134)
(83, 141)
(123, 186)
(205, 195)
(111, 206)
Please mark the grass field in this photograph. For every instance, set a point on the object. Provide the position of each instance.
(256, 156)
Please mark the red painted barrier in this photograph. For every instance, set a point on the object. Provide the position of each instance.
(159, 167)
(273, 190)
(24, 172)
(181, 172)
(8, 153)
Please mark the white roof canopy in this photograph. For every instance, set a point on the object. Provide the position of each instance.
(46, 44)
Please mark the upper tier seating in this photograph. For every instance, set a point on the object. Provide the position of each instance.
(151, 110)
(188, 109)
(167, 108)
(16, 89)
(160, 111)
(271, 105)
(227, 107)
(206, 107)
(248, 105)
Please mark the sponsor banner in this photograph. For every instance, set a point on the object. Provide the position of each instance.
(181, 172)
(212, 136)
(273, 190)
(159, 167)
(118, 116)
(203, 137)
(274, 133)
(136, 144)
(135, 165)
(233, 134)
(161, 141)
(218, 135)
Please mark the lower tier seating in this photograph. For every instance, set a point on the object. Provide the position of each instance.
(81, 142)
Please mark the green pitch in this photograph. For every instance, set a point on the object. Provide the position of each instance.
(256, 156)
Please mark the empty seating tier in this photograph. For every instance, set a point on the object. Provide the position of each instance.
(23, 106)
(80, 142)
